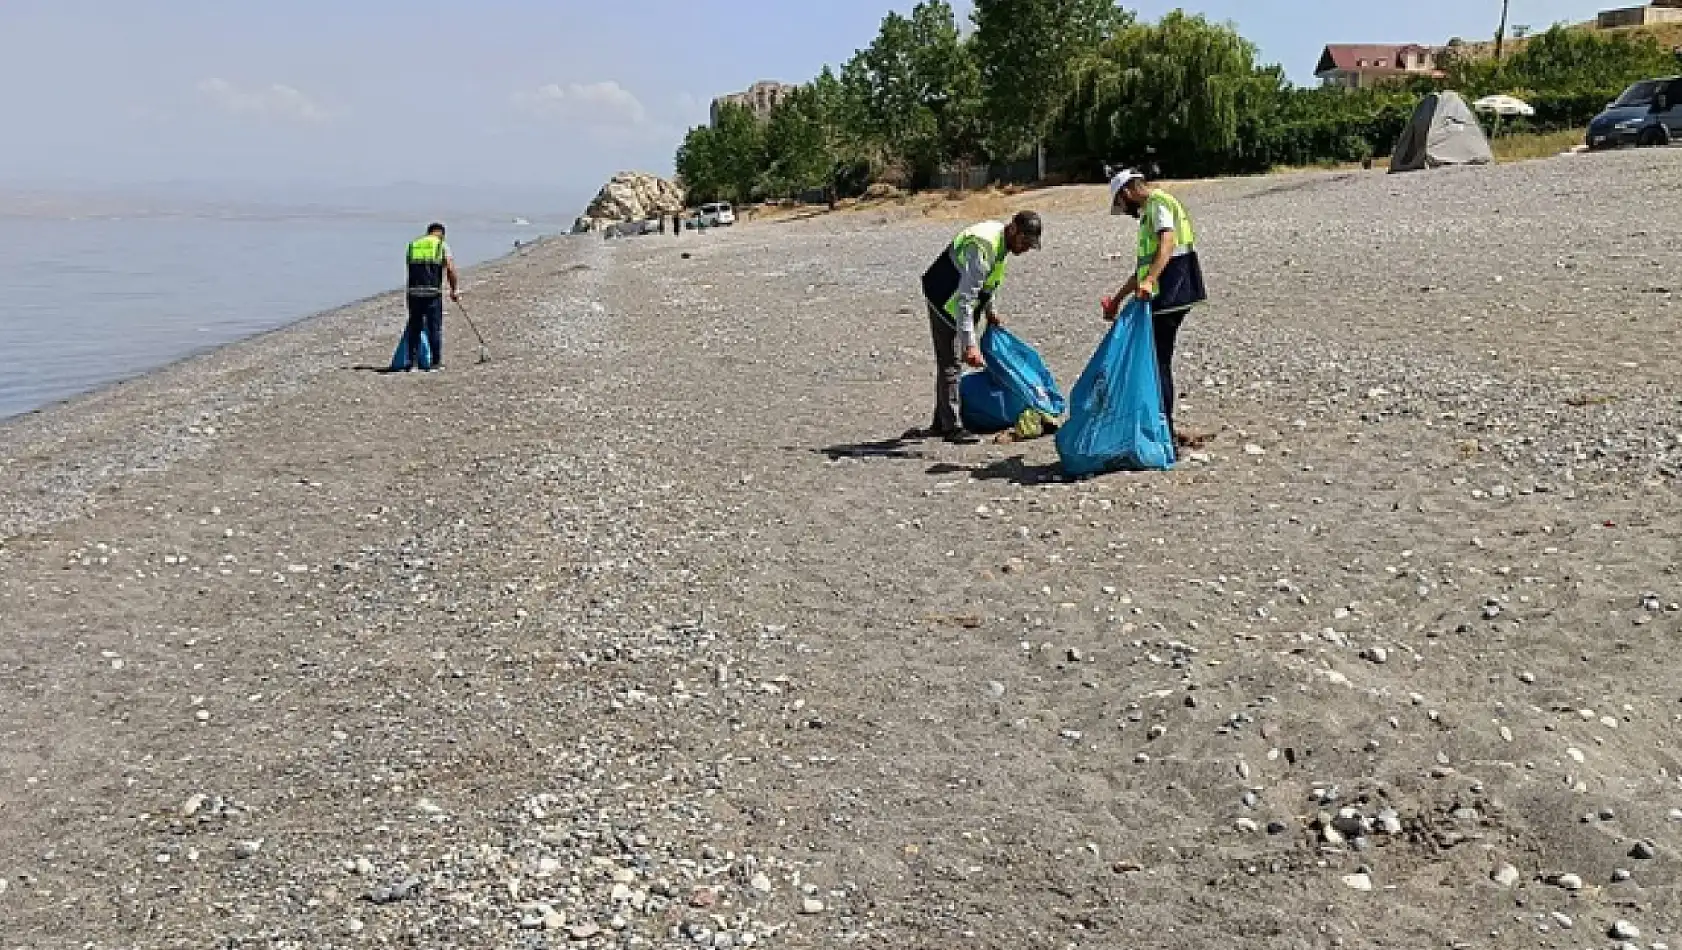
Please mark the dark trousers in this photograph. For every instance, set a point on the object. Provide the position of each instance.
(948, 368)
(1166, 328)
(426, 315)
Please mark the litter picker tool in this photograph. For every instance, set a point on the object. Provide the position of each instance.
(484, 352)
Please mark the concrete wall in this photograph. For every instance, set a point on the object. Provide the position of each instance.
(760, 98)
(1638, 16)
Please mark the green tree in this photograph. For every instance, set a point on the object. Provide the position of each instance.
(740, 151)
(1083, 76)
(724, 161)
(1568, 74)
(1182, 86)
(1029, 52)
(1562, 59)
(894, 113)
(841, 109)
(858, 116)
(913, 96)
(697, 165)
(949, 78)
(798, 151)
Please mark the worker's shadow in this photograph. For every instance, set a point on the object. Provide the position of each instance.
(1015, 470)
(884, 449)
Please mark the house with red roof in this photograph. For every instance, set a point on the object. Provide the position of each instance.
(1358, 65)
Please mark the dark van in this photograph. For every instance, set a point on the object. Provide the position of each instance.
(1648, 113)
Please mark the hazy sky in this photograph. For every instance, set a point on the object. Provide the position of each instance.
(536, 94)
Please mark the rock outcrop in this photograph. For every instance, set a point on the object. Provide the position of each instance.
(631, 196)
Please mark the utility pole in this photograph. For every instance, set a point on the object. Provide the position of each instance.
(1501, 33)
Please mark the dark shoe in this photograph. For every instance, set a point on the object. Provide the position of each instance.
(1193, 441)
(960, 436)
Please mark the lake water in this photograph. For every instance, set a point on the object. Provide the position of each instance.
(85, 302)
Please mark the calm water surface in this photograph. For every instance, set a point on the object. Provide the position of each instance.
(84, 302)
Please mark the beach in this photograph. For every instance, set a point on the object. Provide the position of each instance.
(649, 632)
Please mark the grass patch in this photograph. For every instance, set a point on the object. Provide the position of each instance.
(1519, 146)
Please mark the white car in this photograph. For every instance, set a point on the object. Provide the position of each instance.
(717, 215)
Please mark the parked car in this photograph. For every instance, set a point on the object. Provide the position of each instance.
(718, 215)
(625, 229)
(1648, 113)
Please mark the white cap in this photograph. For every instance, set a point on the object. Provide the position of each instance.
(1123, 178)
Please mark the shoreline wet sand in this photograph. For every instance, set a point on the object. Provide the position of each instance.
(648, 633)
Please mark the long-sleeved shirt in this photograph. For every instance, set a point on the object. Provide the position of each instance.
(974, 263)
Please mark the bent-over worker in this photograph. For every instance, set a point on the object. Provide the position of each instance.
(962, 283)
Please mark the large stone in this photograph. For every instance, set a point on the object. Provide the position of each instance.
(631, 196)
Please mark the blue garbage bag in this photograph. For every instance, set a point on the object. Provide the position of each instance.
(985, 405)
(1116, 420)
(400, 357)
(1017, 367)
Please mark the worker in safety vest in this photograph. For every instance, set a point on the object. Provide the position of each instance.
(962, 283)
(430, 264)
(1166, 271)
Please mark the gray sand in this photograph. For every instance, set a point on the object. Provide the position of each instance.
(647, 634)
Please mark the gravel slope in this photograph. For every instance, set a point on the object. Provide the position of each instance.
(646, 633)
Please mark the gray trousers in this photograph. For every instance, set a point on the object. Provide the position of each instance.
(948, 368)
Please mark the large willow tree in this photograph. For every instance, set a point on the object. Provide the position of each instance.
(1180, 86)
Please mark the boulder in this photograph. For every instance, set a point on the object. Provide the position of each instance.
(633, 196)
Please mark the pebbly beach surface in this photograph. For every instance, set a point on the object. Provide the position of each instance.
(649, 632)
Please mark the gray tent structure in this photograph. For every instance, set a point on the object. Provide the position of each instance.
(1443, 131)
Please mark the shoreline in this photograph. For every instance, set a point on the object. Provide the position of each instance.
(211, 348)
(292, 308)
(47, 428)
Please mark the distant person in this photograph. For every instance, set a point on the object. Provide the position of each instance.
(430, 264)
(961, 283)
(1167, 271)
